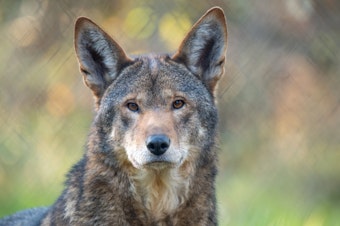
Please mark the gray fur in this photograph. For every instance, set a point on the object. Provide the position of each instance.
(30, 217)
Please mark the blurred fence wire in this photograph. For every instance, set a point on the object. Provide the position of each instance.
(279, 100)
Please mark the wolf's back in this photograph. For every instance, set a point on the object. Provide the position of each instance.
(30, 217)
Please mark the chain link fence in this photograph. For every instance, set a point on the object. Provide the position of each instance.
(279, 100)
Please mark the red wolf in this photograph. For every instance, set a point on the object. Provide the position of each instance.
(150, 157)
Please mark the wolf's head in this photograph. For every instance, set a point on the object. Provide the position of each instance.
(154, 111)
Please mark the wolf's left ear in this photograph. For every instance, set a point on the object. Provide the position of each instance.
(100, 57)
(204, 48)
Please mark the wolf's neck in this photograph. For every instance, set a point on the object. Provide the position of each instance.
(161, 191)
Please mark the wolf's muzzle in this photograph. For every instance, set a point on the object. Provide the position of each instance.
(158, 144)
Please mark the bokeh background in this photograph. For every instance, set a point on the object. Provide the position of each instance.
(279, 101)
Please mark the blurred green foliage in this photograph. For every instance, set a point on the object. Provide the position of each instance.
(279, 101)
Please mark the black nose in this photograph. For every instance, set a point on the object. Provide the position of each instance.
(158, 144)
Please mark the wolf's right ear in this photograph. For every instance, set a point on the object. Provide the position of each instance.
(204, 48)
(100, 57)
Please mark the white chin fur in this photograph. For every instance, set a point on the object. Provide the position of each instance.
(144, 159)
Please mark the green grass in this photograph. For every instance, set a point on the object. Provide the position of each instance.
(245, 200)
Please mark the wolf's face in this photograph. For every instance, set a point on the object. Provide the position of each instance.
(161, 112)
(155, 111)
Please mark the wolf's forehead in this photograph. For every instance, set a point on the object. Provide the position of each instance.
(161, 75)
(153, 65)
(155, 77)
(153, 71)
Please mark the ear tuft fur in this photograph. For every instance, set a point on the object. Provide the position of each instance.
(204, 48)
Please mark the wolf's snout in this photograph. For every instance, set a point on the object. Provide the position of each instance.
(158, 144)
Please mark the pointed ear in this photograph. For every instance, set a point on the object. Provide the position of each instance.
(100, 57)
(204, 48)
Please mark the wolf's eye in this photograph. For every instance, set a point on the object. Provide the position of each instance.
(177, 104)
(132, 106)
